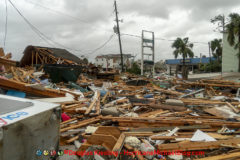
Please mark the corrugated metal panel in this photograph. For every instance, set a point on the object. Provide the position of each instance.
(229, 59)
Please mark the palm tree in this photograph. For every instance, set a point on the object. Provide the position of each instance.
(216, 47)
(233, 31)
(184, 48)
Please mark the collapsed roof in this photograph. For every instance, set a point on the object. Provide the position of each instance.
(45, 55)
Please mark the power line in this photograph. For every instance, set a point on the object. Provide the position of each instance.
(162, 39)
(103, 45)
(31, 26)
(58, 12)
(83, 21)
(38, 32)
(47, 39)
(68, 15)
(6, 26)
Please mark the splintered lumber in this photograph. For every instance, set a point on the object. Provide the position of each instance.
(190, 146)
(108, 130)
(72, 139)
(119, 144)
(84, 147)
(218, 81)
(192, 101)
(97, 95)
(19, 86)
(139, 134)
(168, 107)
(105, 97)
(193, 127)
(168, 91)
(232, 107)
(107, 141)
(7, 63)
(81, 124)
(152, 113)
(120, 101)
(72, 119)
(193, 84)
(70, 106)
(108, 138)
(2, 52)
(98, 105)
(163, 137)
(159, 122)
(219, 136)
(223, 156)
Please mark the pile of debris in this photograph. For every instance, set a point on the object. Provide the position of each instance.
(110, 116)
(135, 118)
(38, 72)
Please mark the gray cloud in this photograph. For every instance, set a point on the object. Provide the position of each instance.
(90, 24)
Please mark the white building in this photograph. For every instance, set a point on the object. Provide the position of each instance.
(230, 59)
(113, 61)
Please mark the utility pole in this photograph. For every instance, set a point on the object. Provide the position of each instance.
(223, 25)
(209, 46)
(119, 34)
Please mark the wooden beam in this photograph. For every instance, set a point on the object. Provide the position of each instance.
(108, 130)
(190, 146)
(232, 107)
(97, 94)
(223, 156)
(19, 86)
(105, 97)
(100, 139)
(81, 124)
(72, 139)
(119, 144)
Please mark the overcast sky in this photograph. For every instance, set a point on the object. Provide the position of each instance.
(84, 25)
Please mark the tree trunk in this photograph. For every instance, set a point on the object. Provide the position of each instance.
(239, 60)
(184, 70)
(239, 53)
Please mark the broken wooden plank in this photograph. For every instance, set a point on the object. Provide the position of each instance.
(192, 101)
(139, 134)
(193, 127)
(168, 107)
(98, 105)
(100, 139)
(119, 144)
(105, 97)
(72, 139)
(190, 146)
(163, 137)
(223, 156)
(81, 124)
(19, 86)
(109, 130)
(97, 94)
(232, 107)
